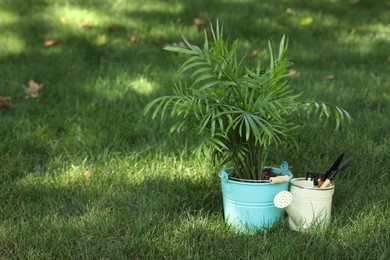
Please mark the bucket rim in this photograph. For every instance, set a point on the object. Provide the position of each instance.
(308, 188)
(226, 172)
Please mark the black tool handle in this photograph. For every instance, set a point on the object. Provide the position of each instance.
(342, 168)
(334, 167)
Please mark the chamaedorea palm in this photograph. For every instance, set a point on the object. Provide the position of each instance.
(236, 112)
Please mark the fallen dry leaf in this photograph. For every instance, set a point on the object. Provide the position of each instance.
(254, 53)
(198, 23)
(51, 42)
(63, 20)
(5, 103)
(330, 77)
(112, 27)
(32, 91)
(292, 73)
(388, 59)
(86, 25)
(133, 40)
(87, 175)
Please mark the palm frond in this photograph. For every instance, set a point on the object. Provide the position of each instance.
(321, 109)
(236, 112)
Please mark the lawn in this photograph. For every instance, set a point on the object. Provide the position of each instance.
(85, 175)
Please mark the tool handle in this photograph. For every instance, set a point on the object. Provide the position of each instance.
(279, 179)
(334, 167)
(345, 164)
(326, 184)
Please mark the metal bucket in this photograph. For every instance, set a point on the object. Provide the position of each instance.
(314, 205)
(249, 206)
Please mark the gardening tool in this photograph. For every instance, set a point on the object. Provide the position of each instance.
(334, 167)
(279, 179)
(331, 176)
(305, 204)
(315, 177)
(319, 178)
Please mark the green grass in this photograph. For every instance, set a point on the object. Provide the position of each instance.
(146, 198)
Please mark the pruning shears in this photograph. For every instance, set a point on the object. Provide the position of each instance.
(323, 180)
(336, 167)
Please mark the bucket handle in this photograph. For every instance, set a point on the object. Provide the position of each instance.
(284, 166)
(224, 176)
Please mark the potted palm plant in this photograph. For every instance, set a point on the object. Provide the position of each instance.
(238, 114)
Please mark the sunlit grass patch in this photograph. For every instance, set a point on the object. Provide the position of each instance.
(10, 42)
(84, 174)
(12, 45)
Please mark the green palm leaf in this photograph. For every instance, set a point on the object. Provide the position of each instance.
(237, 112)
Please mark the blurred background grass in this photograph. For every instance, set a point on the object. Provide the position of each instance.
(84, 174)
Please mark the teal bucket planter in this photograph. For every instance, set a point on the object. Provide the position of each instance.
(249, 206)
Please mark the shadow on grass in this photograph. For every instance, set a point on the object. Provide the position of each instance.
(93, 98)
(114, 218)
(92, 104)
(159, 218)
(78, 196)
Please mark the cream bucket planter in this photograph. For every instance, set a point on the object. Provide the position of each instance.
(306, 206)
